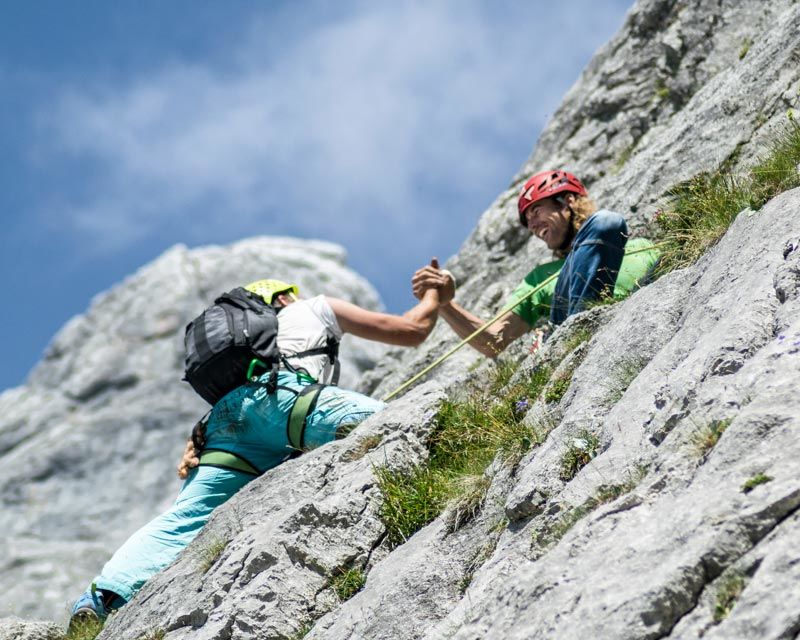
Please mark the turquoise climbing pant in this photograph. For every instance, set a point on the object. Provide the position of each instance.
(249, 422)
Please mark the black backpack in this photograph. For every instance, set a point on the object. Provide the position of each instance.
(223, 342)
(228, 340)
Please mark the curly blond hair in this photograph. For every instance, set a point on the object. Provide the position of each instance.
(582, 207)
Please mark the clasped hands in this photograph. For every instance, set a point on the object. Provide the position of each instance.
(432, 277)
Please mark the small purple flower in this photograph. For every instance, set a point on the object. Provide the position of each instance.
(781, 337)
(521, 405)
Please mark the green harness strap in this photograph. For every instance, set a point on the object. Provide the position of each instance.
(303, 405)
(227, 460)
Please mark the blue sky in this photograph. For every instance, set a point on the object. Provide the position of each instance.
(387, 127)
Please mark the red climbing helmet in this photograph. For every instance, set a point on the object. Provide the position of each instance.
(547, 184)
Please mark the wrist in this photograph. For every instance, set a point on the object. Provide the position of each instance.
(446, 308)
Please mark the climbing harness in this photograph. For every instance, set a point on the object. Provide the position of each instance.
(304, 404)
(227, 460)
(234, 342)
(507, 309)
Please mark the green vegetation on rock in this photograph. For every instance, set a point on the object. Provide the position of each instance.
(746, 44)
(621, 377)
(210, 553)
(468, 436)
(579, 452)
(752, 483)
(558, 387)
(348, 583)
(85, 629)
(729, 589)
(553, 532)
(706, 437)
(698, 212)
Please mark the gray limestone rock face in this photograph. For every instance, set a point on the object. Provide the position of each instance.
(18, 629)
(91, 441)
(649, 564)
(419, 583)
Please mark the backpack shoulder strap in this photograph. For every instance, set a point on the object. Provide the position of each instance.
(331, 349)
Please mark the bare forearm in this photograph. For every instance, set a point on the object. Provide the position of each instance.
(423, 315)
(465, 324)
(407, 330)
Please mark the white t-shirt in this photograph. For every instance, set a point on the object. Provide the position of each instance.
(306, 324)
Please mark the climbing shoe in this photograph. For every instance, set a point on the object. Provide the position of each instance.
(89, 607)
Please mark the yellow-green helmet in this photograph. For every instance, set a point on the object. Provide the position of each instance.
(268, 289)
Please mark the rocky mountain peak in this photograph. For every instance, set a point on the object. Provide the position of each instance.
(654, 491)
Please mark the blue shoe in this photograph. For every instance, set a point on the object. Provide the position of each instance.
(89, 606)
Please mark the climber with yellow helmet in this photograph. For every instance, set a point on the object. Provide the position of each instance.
(593, 261)
(271, 401)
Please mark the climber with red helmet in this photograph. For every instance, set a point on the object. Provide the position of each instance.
(589, 246)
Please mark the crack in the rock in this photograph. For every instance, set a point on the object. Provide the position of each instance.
(712, 570)
(376, 545)
(299, 557)
(235, 576)
(227, 631)
(195, 619)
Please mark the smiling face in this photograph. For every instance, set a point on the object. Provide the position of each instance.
(548, 220)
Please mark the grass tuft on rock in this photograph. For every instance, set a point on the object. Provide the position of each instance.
(729, 589)
(210, 553)
(348, 583)
(302, 632)
(558, 387)
(752, 483)
(578, 337)
(579, 452)
(746, 44)
(85, 629)
(705, 438)
(469, 435)
(698, 212)
(606, 493)
(362, 448)
(411, 499)
(621, 377)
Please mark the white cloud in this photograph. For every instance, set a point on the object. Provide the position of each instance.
(358, 128)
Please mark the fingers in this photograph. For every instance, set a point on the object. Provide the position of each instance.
(420, 285)
(428, 277)
(188, 461)
(427, 270)
(428, 274)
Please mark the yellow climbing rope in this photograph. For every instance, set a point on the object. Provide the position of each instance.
(507, 309)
